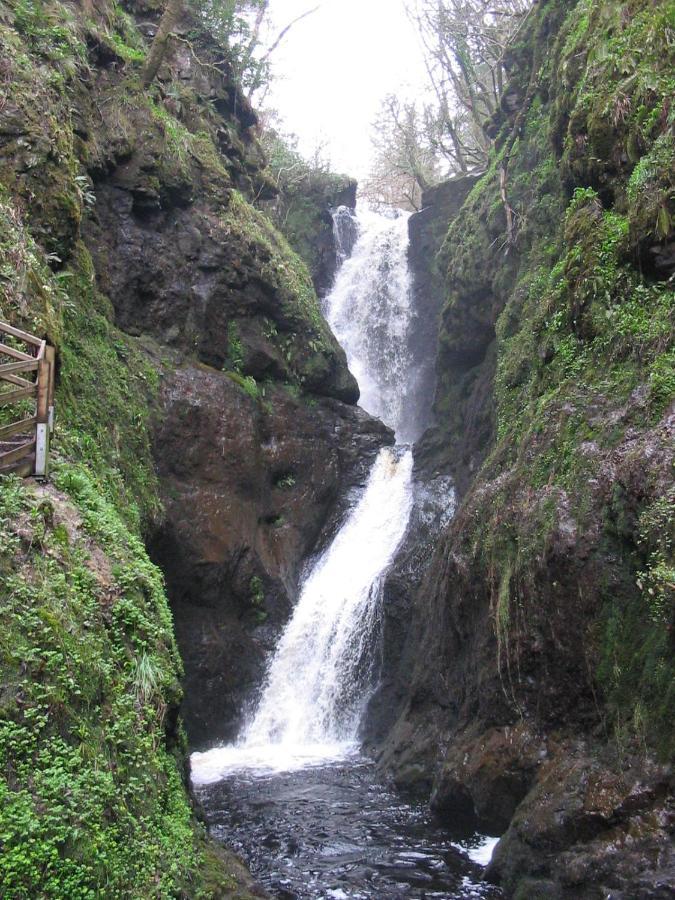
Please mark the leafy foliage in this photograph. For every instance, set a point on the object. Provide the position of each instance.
(406, 162)
(92, 799)
(236, 25)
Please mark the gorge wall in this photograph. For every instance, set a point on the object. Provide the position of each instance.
(534, 663)
(205, 411)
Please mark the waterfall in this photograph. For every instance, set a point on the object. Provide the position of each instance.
(369, 310)
(321, 675)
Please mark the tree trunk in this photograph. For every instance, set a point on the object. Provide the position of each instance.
(170, 16)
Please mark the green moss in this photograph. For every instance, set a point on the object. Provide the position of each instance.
(50, 30)
(125, 37)
(299, 300)
(583, 326)
(235, 349)
(92, 799)
(130, 54)
(105, 400)
(299, 333)
(28, 291)
(178, 138)
(247, 383)
(636, 666)
(651, 192)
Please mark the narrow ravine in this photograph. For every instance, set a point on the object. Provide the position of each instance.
(294, 795)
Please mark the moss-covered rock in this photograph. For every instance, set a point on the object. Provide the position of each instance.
(118, 208)
(548, 603)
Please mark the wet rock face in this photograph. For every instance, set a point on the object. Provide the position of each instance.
(435, 493)
(534, 700)
(182, 274)
(434, 502)
(427, 230)
(594, 826)
(256, 441)
(248, 485)
(496, 700)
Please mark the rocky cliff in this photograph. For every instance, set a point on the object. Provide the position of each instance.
(539, 642)
(302, 211)
(204, 410)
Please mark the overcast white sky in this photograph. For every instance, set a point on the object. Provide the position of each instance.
(335, 66)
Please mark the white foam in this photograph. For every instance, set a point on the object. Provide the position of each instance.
(482, 854)
(216, 764)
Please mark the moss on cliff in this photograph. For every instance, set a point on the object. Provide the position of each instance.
(92, 757)
(92, 797)
(576, 306)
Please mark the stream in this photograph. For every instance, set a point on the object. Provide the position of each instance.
(295, 796)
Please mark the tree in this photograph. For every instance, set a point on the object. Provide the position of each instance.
(406, 162)
(170, 16)
(465, 43)
(242, 28)
(239, 27)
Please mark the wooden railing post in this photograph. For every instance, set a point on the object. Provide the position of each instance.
(42, 435)
(51, 360)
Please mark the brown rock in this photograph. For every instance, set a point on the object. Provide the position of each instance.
(248, 485)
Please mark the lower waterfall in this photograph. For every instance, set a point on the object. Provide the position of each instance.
(321, 669)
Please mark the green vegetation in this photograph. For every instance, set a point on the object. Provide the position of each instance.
(247, 383)
(50, 32)
(258, 599)
(105, 401)
(307, 189)
(235, 349)
(253, 228)
(285, 481)
(92, 798)
(584, 322)
(636, 663)
(92, 757)
(299, 335)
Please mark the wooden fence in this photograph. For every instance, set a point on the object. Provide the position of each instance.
(24, 442)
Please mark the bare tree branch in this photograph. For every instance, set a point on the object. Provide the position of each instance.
(284, 31)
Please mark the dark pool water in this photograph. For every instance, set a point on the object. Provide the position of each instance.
(339, 831)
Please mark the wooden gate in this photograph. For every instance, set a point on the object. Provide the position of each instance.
(27, 382)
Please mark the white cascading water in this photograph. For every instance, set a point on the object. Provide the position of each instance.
(322, 671)
(369, 310)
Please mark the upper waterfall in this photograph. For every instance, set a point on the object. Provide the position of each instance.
(345, 233)
(371, 314)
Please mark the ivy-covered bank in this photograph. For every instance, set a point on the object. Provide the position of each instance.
(542, 636)
(93, 796)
